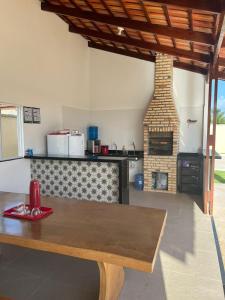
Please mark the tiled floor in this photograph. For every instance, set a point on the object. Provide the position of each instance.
(187, 266)
(219, 219)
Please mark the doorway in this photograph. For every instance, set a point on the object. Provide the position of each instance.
(218, 218)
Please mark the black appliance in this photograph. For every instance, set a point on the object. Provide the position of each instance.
(190, 173)
(160, 143)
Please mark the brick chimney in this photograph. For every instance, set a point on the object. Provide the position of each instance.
(161, 131)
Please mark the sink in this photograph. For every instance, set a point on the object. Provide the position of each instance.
(129, 156)
(133, 157)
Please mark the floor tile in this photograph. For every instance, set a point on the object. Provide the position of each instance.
(186, 268)
(9, 253)
(52, 289)
(18, 285)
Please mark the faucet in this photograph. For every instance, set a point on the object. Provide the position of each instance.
(133, 144)
(114, 145)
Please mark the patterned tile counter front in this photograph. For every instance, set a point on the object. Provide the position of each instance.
(99, 180)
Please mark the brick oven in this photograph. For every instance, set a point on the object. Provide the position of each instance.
(161, 131)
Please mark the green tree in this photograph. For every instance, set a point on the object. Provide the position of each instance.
(220, 117)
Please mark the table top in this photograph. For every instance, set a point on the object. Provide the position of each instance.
(123, 235)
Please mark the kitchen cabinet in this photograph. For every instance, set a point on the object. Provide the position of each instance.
(190, 173)
(99, 178)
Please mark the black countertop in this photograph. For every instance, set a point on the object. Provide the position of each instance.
(128, 153)
(11, 158)
(217, 155)
(78, 158)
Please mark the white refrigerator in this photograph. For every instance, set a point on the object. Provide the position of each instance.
(65, 144)
(76, 145)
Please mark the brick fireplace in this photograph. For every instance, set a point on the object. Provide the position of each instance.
(161, 131)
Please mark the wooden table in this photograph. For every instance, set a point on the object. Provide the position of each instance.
(113, 235)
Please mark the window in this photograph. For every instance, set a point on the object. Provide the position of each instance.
(11, 131)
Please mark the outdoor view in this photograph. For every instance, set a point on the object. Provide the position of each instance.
(8, 132)
(220, 138)
(219, 201)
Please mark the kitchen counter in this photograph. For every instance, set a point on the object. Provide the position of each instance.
(95, 158)
(112, 156)
(99, 178)
(129, 154)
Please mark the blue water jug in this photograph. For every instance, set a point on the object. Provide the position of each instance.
(139, 182)
(93, 133)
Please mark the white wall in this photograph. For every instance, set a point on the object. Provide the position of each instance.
(122, 127)
(220, 140)
(74, 118)
(120, 91)
(15, 176)
(42, 65)
(120, 82)
(120, 88)
(189, 95)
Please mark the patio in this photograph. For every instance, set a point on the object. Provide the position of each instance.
(117, 65)
(187, 265)
(219, 221)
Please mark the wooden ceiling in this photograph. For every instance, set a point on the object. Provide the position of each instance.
(190, 30)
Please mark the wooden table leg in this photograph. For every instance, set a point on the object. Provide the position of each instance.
(111, 281)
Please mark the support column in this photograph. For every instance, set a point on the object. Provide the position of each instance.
(209, 164)
(213, 145)
(207, 159)
(111, 281)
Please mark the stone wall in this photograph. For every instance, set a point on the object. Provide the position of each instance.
(162, 116)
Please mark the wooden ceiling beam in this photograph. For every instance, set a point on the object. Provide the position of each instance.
(213, 6)
(219, 40)
(122, 52)
(142, 44)
(221, 75)
(146, 57)
(183, 34)
(221, 61)
(191, 68)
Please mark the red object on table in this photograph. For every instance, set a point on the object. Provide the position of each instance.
(105, 150)
(35, 199)
(35, 204)
(12, 213)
